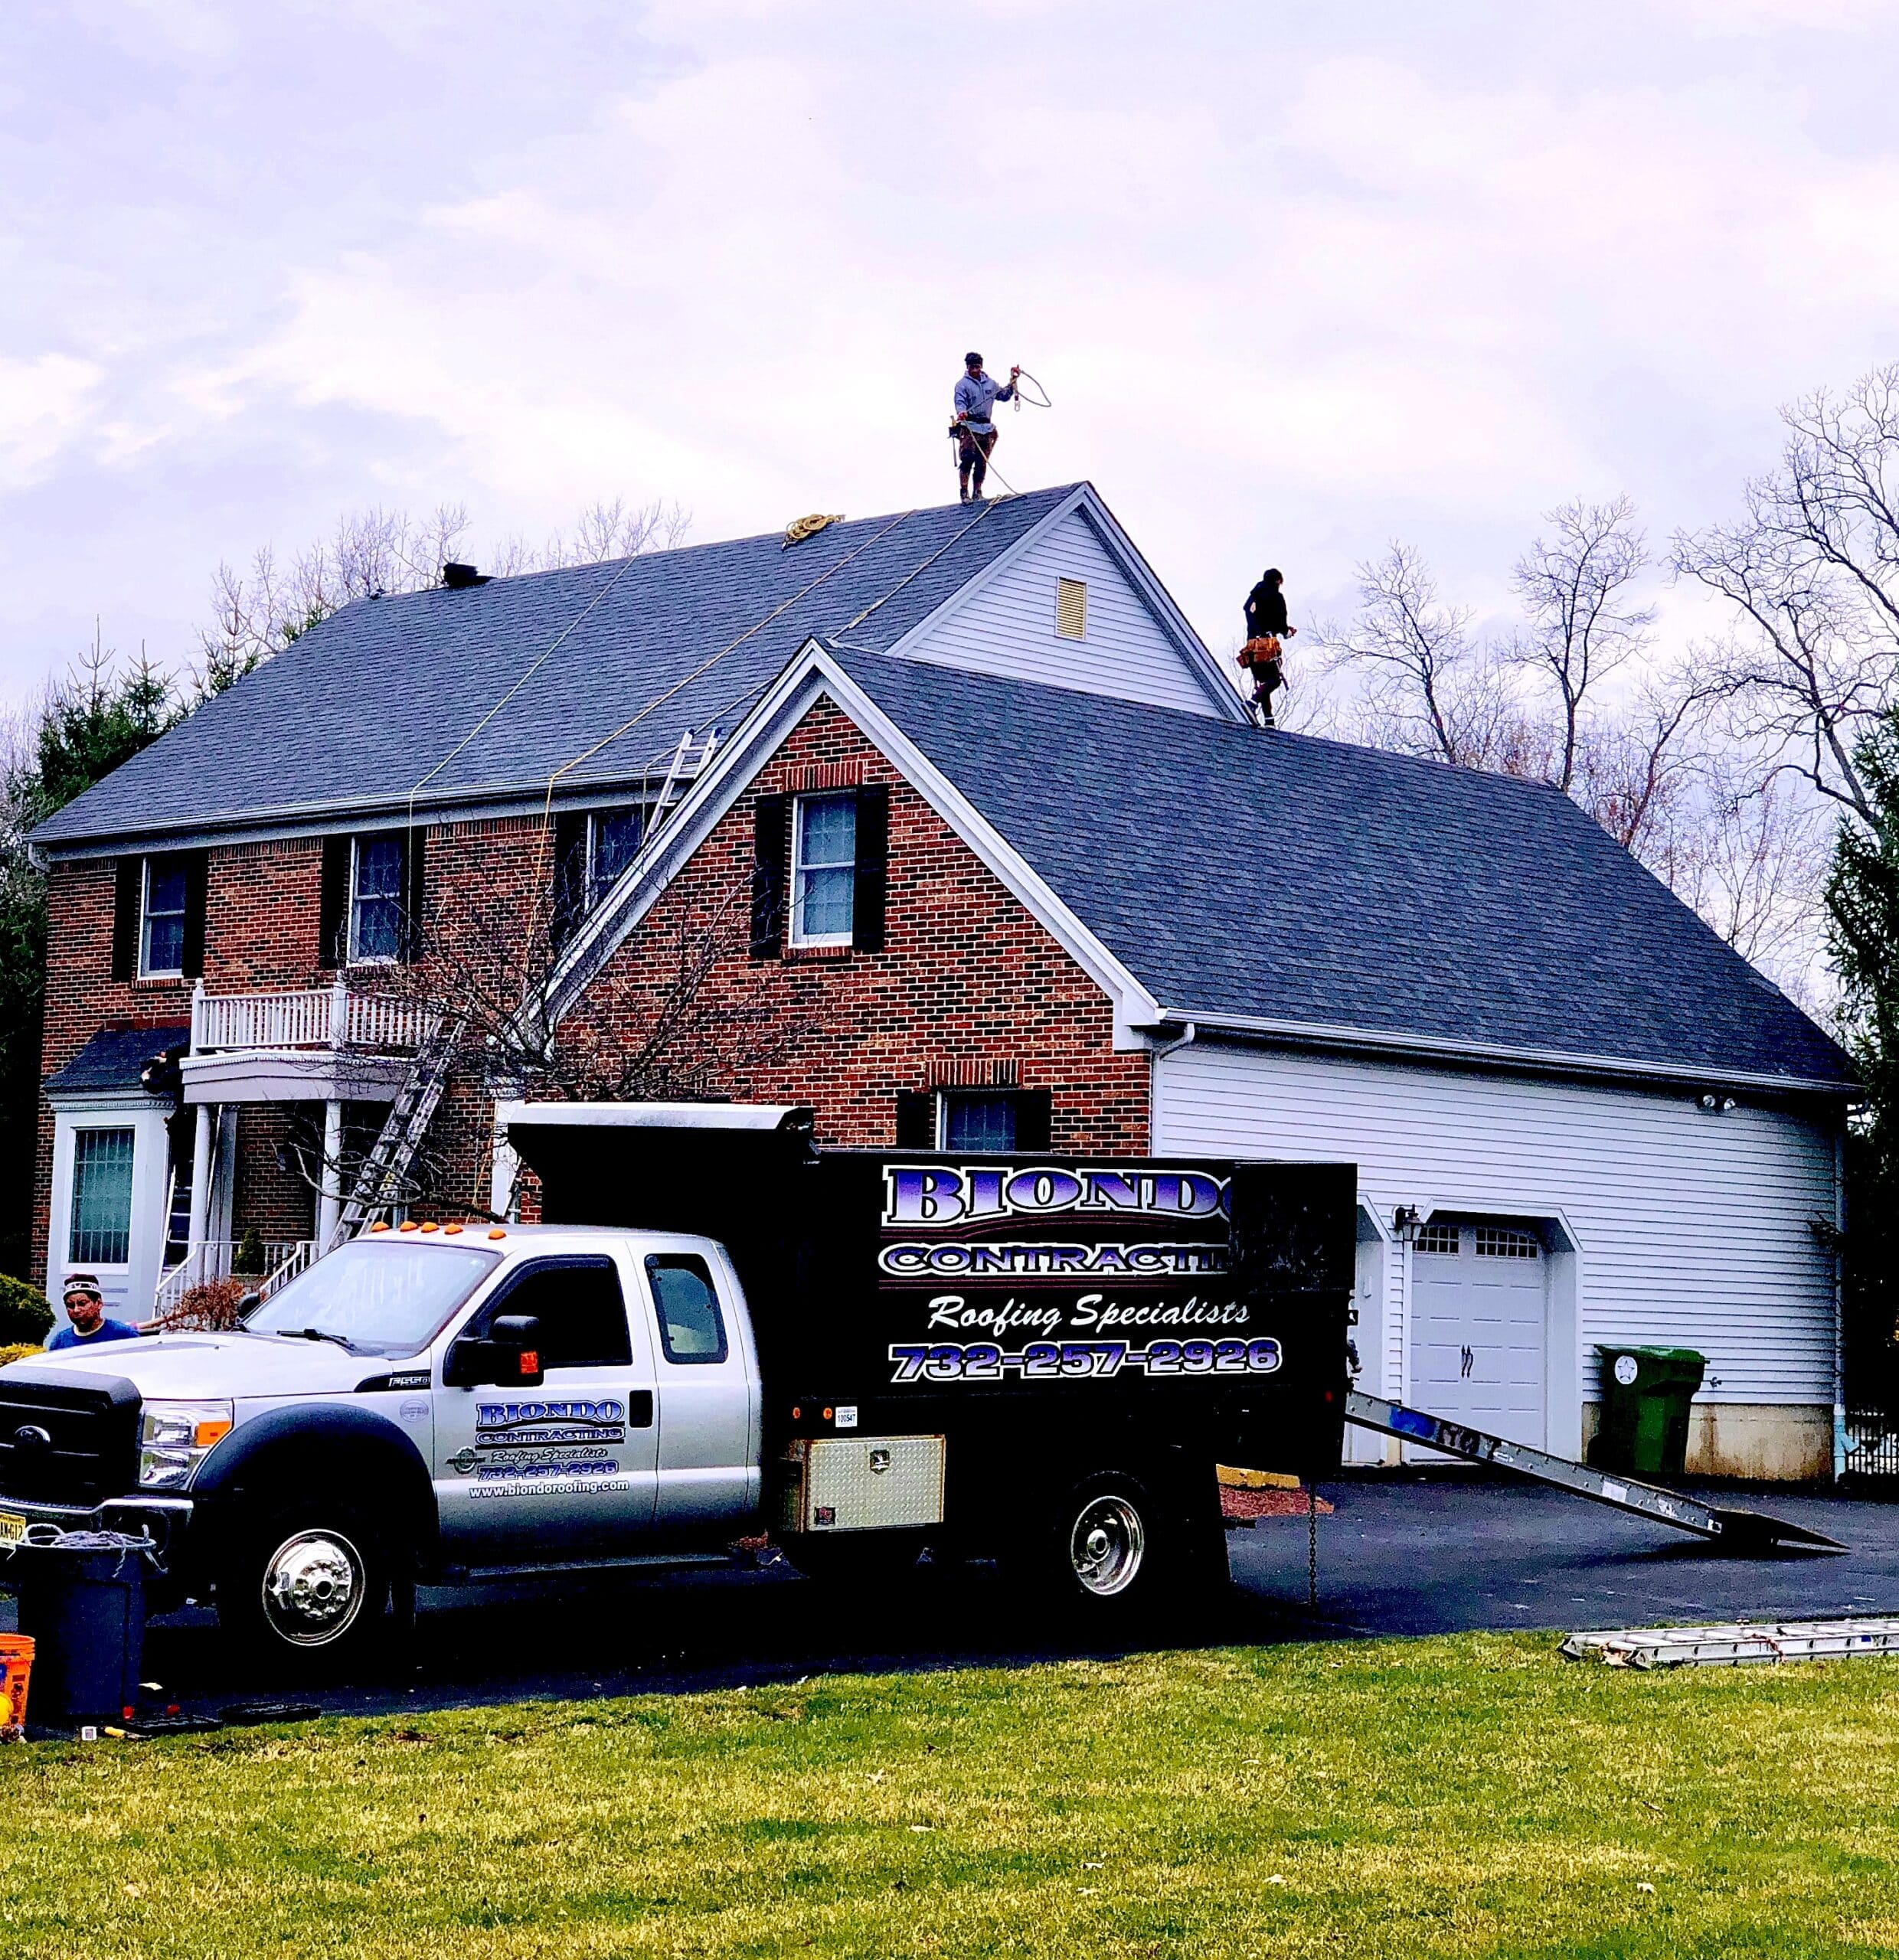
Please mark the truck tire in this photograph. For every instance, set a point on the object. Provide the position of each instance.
(1116, 1549)
(309, 1584)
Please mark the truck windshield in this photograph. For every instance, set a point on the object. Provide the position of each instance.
(386, 1298)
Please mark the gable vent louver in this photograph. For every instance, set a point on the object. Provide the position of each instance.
(1071, 609)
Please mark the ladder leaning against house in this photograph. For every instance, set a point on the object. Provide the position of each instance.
(379, 1179)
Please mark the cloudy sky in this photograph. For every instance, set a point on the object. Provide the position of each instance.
(1300, 278)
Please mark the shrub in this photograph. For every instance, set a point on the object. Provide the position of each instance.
(26, 1315)
(211, 1308)
(248, 1259)
(17, 1350)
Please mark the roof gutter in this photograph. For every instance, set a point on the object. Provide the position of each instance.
(1357, 1040)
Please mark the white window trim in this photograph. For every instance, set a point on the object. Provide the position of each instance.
(115, 1124)
(146, 970)
(797, 936)
(940, 1129)
(356, 958)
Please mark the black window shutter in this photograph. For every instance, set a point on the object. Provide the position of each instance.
(332, 906)
(197, 882)
(873, 867)
(415, 892)
(916, 1119)
(771, 838)
(570, 874)
(1033, 1115)
(128, 896)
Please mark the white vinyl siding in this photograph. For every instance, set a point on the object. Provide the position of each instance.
(1012, 624)
(1689, 1228)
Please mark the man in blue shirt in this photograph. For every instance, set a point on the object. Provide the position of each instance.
(977, 394)
(85, 1308)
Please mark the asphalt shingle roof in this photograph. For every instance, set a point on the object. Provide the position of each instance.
(357, 712)
(1235, 871)
(116, 1057)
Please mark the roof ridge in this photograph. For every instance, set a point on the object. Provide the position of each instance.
(676, 551)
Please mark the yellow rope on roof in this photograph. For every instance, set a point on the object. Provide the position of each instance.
(800, 528)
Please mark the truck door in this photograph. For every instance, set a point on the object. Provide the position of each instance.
(566, 1470)
(708, 1449)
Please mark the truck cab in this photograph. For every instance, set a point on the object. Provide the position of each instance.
(437, 1402)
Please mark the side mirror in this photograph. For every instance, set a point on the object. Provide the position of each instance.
(509, 1356)
(248, 1304)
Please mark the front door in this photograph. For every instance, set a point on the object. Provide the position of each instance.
(708, 1450)
(567, 1469)
(1479, 1327)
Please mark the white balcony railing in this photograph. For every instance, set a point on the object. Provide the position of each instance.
(216, 1259)
(306, 1017)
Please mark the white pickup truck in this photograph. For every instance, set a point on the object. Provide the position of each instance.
(449, 1403)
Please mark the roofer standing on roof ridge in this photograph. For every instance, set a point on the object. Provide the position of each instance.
(1266, 627)
(976, 395)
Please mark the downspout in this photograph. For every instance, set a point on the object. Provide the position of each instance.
(1156, 1055)
(1839, 1302)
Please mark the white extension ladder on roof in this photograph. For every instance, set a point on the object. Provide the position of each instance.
(378, 1185)
(688, 762)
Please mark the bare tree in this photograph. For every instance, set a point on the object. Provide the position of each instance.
(1583, 622)
(689, 1020)
(1812, 568)
(257, 612)
(1430, 687)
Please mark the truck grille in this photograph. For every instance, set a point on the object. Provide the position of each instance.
(66, 1439)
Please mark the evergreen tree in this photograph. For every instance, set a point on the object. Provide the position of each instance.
(1862, 903)
(100, 717)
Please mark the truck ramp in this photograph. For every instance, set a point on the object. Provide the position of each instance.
(1748, 1533)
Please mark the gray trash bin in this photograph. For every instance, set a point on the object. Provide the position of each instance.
(82, 1601)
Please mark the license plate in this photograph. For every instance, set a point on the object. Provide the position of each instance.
(12, 1528)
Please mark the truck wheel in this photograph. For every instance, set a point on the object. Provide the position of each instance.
(309, 1584)
(1110, 1548)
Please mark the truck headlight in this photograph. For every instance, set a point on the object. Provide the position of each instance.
(174, 1437)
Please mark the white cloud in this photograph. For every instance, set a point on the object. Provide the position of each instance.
(43, 405)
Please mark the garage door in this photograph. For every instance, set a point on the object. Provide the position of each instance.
(1479, 1326)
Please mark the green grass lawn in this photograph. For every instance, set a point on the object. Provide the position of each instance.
(1475, 1795)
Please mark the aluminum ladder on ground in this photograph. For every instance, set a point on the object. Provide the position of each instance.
(379, 1179)
(1736, 1643)
(1745, 1531)
(688, 762)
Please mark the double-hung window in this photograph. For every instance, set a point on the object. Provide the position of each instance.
(823, 871)
(977, 1120)
(101, 1229)
(166, 899)
(613, 843)
(376, 899)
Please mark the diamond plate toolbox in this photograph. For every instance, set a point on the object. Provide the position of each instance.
(862, 1483)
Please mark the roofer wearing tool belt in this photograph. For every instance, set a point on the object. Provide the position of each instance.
(1261, 655)
(977, 394)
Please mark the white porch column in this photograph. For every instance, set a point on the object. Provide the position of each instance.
(200, 1175)
(330, 1203)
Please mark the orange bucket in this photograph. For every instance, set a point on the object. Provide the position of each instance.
(16, 1669)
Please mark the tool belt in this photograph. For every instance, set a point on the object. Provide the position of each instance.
(1257, 652)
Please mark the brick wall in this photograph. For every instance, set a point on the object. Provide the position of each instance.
(970, 988)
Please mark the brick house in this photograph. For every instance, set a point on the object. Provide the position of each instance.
(1016, 874)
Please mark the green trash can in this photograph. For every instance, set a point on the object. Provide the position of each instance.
(1645, 1394)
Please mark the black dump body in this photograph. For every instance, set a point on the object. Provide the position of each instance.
(1022, 1305)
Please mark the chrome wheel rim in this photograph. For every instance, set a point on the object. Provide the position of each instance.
(314, 1586)
(1106, 1546)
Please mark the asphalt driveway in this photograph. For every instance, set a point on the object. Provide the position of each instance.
(1409, 1553)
